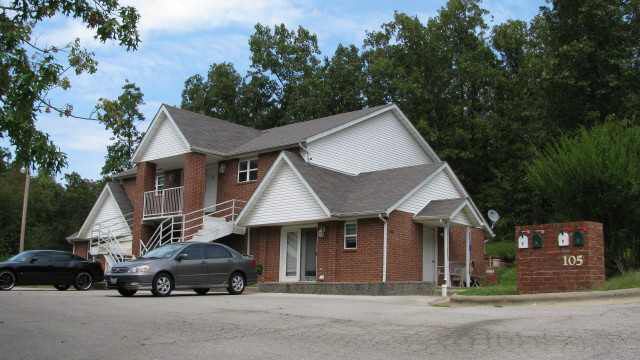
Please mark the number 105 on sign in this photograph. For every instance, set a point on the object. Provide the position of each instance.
(572, 260)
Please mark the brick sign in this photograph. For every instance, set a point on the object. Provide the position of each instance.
(559, 257)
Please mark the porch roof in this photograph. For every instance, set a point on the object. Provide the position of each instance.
(457, 210)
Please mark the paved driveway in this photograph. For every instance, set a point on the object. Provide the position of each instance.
(38, 324)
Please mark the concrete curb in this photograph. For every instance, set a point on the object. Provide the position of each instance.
(550, 297)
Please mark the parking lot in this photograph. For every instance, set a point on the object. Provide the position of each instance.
(44, 324)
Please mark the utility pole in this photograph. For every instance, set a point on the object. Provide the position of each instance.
(25, 203)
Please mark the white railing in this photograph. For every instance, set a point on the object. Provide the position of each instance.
(160, 203)
(107, 236)
(186, 226)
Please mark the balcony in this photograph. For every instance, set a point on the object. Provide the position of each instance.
(162, 203)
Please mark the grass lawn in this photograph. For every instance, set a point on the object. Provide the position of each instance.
(627, 280)
(507, 281)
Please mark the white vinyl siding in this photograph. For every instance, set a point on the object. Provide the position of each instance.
(285, 199)
(107, 216)
(382, 142)
(461, 218)
(440, 187)
(164, 142)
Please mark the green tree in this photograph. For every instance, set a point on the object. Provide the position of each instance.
(217, 96)
(344, 80)
(120, 116)
(595, 176)
(592, 73)
(29, 71)
(290, 59)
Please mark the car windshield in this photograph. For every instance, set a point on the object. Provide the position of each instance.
(22, 257)
(163, 252)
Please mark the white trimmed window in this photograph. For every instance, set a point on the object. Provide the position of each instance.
(351, 235)
(160, 182)
(247, 170)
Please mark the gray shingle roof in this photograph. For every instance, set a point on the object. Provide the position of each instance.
(126, 173)
(121, 197)
(442, 209)
(208, 133)
(365, 193)
(292, 134)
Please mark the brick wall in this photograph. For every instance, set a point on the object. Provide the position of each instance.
(265, 247)
(457, 251)
(228, 186)
(81, 248)
(363, 264)
(194, 187)
(404, 257)
(543, 270)
(145, 181)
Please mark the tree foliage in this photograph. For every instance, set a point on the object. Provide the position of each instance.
(488, 99)
(55, 210)
(120, 116)
(595, 176)
(29, 71)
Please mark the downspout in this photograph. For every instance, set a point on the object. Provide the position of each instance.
(384, 248)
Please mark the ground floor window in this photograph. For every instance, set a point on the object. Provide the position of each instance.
(351, 235)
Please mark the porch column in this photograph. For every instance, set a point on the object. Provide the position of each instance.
(145, 181)
(193, 191)
(447, 275)
(467, 258)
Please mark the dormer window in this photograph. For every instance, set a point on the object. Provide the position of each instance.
(247, 170)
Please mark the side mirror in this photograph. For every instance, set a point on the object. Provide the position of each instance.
(182, 256)
(33, 260)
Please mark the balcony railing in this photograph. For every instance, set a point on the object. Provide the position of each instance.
(161, 203)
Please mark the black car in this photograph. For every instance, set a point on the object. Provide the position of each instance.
(49, 267)
(188, 265)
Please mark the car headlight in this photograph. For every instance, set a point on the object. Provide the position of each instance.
(139, 269)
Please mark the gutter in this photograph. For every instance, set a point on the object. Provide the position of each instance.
(384, 247)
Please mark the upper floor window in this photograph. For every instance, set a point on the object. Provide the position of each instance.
(160, 182)
(248, 170)
(350, 235)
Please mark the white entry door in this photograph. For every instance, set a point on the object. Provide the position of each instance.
(429, 254)
(290, 255)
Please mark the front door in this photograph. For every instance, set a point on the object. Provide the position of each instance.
(290, 255)
(308, 254)
(429, 254)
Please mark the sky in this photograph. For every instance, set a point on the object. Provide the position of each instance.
(182, 38)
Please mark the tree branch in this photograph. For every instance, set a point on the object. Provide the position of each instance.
(65, 112)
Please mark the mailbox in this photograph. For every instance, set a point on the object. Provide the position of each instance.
(537, 240)
(578, 238)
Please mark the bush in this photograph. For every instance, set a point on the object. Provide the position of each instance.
(507, 284)
(628, 280)
(595, 176)
(505, 250)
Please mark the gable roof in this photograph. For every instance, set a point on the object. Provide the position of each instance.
(121, 197)
(366, 193)
(209, 133)
(441, 208)
(295, 133)
(114, 190)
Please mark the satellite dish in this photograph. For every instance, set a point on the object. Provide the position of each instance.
(493, 216)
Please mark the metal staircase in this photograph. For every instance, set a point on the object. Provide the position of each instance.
(112, 239)
(203, 225)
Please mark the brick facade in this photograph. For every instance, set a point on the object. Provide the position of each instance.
(228, 186)
(145, 181)
(81, 248)
(542, 269)
(364, 264)
(404, 256)
(195, 165)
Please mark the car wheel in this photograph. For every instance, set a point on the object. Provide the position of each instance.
(83, 281)
(162, 285)
(7, 280)
(236, 284)
(127, 292)
(201, 291)
(61, 287)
